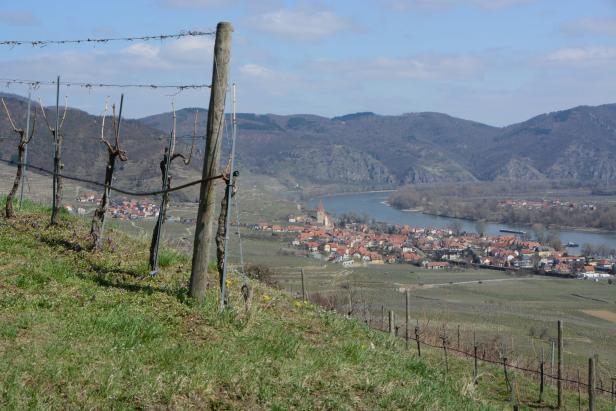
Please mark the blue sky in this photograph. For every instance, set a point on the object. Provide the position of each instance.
(494, 61)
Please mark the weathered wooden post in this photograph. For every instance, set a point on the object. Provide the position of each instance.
(392, 323)
(407, 319)
(57, 162)
(591, 384)
(458, 345)
(445, 342)
(579, 391)
(514, 399)
(559, 384)
(505, 371)
(303, 286)
(207, 195)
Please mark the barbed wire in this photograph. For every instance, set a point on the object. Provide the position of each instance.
(119, 190)
(36, 83)
(43, 43)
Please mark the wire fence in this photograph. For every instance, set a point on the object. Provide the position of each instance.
(43, 43)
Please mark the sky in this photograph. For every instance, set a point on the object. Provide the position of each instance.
(492, 61)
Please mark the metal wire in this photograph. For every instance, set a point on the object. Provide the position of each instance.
(36, 83)
(119, 190)
(43, 43)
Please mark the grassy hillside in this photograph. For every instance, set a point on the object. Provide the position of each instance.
(83, 330)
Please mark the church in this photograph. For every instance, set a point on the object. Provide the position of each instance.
(322, 217)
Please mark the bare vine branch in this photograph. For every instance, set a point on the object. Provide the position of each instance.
(15, 129)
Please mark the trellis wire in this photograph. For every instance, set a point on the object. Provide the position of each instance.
(43, 43)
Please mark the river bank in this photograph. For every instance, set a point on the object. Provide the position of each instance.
(373, 205)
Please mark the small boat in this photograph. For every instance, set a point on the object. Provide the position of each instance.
(571, 244)
(504, 230)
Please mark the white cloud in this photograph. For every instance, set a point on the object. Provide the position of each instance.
(196, 3)
(300, 24)
(424, 67)
(142, 50)
(17, 18)
(593, 25)
(405, 5)
(581, 56)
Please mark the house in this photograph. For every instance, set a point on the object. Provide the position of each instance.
(436, 265)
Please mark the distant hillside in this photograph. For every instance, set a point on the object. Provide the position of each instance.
(370, 149)
(83, 154)
(354, 151)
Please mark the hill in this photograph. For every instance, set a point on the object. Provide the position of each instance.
(353, 152)
(81, 330)
(366, 149)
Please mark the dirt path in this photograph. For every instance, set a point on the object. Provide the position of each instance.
(602, 314)
(426, 286)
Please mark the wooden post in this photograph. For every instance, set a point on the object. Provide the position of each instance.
(579, 391)
(303, 286)
(514, 400)
(417, 340)
(458, 345)
(407, 319)
(559, 383)
(552, 360)
(591, 384)
(392, 323)
(207, 195)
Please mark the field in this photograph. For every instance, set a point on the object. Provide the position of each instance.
(517, 313)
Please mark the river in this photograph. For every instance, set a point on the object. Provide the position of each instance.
(373, 205)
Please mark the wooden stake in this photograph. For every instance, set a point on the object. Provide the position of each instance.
(207, 197)
(392, 323)
(591, 384)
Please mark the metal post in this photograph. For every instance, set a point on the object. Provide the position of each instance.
(559, 383)
(475, 370)
(207, 195)
(303, 286)
(56, 160)
(591, 384)
(542, 375)
(407, 319)
(229, 193)
(417, 339)
(25, 167)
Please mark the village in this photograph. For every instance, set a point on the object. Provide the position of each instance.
(121, 208)
(356, 244)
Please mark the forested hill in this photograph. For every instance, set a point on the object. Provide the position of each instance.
(361, 150)
(370, 149)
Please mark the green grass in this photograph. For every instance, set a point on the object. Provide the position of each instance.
(92, 330)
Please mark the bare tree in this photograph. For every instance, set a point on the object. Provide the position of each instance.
(21, 149)
(57, 160)
(165, 166)
(114, 152)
